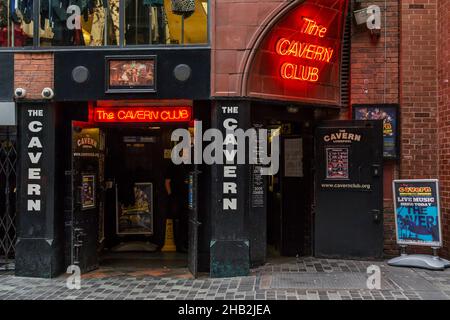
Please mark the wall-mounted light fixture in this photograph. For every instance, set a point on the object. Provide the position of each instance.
(371, 16)
(292, 109)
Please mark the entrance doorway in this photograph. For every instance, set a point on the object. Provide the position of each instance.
(121, 179)
(138, 172)
(289, 192)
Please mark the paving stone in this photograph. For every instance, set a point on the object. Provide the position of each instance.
(302, 278)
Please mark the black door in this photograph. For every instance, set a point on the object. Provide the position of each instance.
(193, 222)
(349, 189)
(86, 147)
(292, 196)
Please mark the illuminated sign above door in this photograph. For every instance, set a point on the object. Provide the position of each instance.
(299, 58)
(142, 114)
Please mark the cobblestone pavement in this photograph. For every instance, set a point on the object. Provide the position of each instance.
(288, 279)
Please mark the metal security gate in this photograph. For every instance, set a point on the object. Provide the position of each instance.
(8, 161)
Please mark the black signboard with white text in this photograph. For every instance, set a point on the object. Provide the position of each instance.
(38, 197)
(36, 169)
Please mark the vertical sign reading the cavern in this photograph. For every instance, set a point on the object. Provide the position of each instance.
(34, 151)
(37, 169)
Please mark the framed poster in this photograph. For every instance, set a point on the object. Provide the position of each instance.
(138, 218)
(337, 164)
(389, 114)
(87, 192)
(130, 74)
(293, 157)
(417, 212)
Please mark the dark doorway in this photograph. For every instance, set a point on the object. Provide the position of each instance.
(120, 204)
(137, 166)
(349, 189)
(289, 196)
(287, 216)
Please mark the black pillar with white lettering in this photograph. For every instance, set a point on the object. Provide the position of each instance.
(229, 242)
(39, 251)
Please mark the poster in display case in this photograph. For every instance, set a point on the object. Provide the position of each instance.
(388, 113)
(88, 192)
(337, 163)
(137, 219)
(130, 74)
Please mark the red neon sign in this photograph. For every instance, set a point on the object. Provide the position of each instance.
(143, 115)
(299, 72)
(299, 58)
(299, 49)
(312, 28)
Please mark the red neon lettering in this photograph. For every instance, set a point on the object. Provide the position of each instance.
(121, 115)
(290, 71)
(314, 75)
(312, 28)
(280, 49)
(151, 114)
(311, 49)
(285, 47)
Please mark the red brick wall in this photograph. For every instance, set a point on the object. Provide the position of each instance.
(374, 63)
(419, 89)
(375, 79)
(420, 85)
(33, 72)
(444, 117)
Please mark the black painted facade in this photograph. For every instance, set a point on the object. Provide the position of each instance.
(237, 227)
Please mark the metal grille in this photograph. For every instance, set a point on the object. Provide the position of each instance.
(346, 62)
(8, 161)
(323, 280)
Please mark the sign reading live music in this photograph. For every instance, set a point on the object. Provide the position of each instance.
(299, 59)
(417, 214)
(143, 114)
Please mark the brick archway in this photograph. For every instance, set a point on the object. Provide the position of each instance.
(238, 27)
(297, 56)
(259, 37)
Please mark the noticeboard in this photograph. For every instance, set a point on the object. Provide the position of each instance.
(417, 213)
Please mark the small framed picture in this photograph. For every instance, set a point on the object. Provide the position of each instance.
(130, 74)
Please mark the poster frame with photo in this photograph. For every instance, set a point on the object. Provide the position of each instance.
(149, 233)
(94, 202)
(437, 244)
(345, 178)
(125, 88)
(391, 107)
